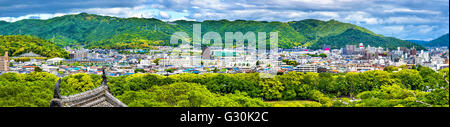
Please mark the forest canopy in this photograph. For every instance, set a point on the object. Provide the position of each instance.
(421, 87)
(17, 44)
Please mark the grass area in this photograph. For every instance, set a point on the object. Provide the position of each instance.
(295, 103)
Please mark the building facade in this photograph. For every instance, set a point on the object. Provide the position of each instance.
(306, 68)
(4, 62)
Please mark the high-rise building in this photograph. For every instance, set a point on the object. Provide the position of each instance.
(349, 49)
(206, 53)
(78, 54)
(4, 63)
(413, 51)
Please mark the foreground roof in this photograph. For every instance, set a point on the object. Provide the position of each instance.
(98, 97)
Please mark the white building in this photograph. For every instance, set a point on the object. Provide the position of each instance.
(55, 60)
(306, 68)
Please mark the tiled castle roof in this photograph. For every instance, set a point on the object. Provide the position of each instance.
(98, 97)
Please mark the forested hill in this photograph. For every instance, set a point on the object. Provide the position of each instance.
(354, 37)
(17, 45)
(420, 42)
(314, 29)
(3, 22)
(438, 42)
(441, 41)
(111, 32)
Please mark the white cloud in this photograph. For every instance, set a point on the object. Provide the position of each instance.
(40, 16)
(407, 10)
(409, 32)
(211, 4)
(362, 17)
(407, 20)
(164, 15)
(181, 18)
(125, 12)
(394, 29)
(316, 5)
(327, 14)
(423, 29)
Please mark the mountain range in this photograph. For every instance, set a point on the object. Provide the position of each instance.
(438, 42)
(95, 31)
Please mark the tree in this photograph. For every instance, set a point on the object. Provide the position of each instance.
(320, 97)
(431, 79)
(323, 55)
(156, 61)
(215, 70)
(37, 69)
(403, 67)
(390, 96)
(139, 70)
(325, 84)
(77, 83)
(171, 70)
(374, 79)
(410, 79)
(18, 44)
(444, 82)
(405, 88)
(390, 69)
(311, 79)
(271, 89)
(437, 97)
(186, 95)
(353, 82)
(26, 90)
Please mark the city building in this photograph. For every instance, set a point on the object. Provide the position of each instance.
(78, 54)
(4, 62)
(349, 49)
(55, 60)
(306, 68)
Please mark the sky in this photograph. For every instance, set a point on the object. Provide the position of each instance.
(404, 19)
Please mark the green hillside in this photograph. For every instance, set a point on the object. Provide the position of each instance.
(3, 22)
(17, 44)
(84, 28)
(420, 42)
(355, 36)
(441, 41)
(288, 37)
(96, 31)
(314, 29)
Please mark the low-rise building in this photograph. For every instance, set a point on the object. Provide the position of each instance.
(306, 68)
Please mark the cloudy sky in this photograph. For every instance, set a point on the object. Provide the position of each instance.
(404, 19)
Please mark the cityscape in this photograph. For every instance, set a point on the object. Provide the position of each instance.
(216, 53)
(352, 58)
